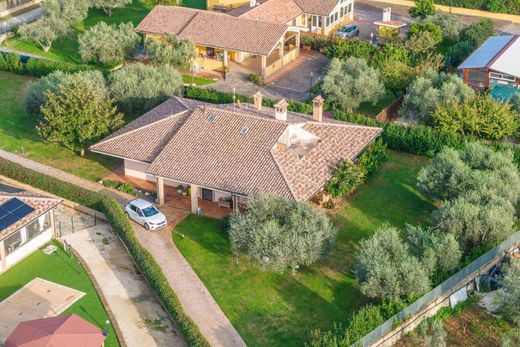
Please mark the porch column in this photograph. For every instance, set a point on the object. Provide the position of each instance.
(324, 24)
(298, 36)
(234, 201)
(225, 58)
(2, 256)
(194, 198)
(160, 190)
(53, 224)
(264, 65)
(280, 49)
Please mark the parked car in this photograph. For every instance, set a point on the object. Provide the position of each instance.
(146, 214)
(348, 31)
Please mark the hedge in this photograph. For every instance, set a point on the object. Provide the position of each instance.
(122, 227)
(498, 6)
(420, 139)
(37, 67)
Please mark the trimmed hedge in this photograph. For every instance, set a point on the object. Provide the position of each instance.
(37, 67)
(498, 6)
(121, 225)
(420, 139)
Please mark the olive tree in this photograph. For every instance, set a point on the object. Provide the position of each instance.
(76, 116)
(35, 94)
(429, 91)
(137, 88)
(386, 269)
(450, 24)
(108, 5)
(278, 234)
(350, 82)
(108, 44)
(171, 51)
(40, 32)
(510, 295)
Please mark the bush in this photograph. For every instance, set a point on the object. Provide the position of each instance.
(151, 271)
(450, 24)
(277, 233)
(37, 67)
(346, 177)
(254, 78)
(422, 9)
(417, 28)
(316, 43)
(373, 157)
(478, 32)
(510, 296)
(342, 49)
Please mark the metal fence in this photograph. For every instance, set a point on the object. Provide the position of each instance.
(68, 222)
(443, 290)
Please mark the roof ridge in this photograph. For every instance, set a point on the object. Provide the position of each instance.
(286, 181)
(139, 128)
(505, 48)
(274, 120)
(192, 18)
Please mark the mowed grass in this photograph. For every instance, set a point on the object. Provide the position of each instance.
(64, 270)
(67, 48)
(281, 310)
(18, 135)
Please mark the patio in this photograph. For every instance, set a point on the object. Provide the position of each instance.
(176, 204)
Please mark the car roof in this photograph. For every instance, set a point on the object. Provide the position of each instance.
(140, 203)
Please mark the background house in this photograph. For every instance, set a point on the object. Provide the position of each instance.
(26, 224)
(495, 63)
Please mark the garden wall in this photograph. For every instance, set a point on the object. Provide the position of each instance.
(11, 6)
(387, 333)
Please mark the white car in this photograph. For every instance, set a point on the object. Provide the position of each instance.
(348, 31)
(146, 214)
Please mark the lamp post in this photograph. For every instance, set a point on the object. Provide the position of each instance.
(234, 96)
(310, 85)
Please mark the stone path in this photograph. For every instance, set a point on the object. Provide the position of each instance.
(194, 296)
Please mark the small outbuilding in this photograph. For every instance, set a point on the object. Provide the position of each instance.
(62, 331)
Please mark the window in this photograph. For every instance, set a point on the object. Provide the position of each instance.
(13, 242)
(476, 78)
(37, 226)
(349, 8)
(501, 76)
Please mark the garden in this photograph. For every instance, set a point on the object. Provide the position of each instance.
(281, 309)
(62, 269)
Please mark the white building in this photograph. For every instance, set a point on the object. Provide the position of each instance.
(26, 224)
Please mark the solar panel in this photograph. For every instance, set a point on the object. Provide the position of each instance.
(12, 211)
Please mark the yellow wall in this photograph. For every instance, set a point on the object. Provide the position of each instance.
(226, 3)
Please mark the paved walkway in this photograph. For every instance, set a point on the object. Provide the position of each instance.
(194, 296)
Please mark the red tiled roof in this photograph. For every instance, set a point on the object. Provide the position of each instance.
(214, 29)
(277, 11)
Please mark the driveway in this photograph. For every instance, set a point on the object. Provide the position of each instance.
(141, 318)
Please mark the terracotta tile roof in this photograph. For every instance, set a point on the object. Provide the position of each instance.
(276, 11)
(308, 174)
(217, 154)
(40, 203)
(318, 7)
(214, 29)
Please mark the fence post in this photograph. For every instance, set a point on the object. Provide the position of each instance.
(72, 224)
(59, 227)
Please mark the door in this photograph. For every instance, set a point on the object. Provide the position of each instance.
(207, 194)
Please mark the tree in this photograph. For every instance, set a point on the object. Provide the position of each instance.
(388, 35)
(431, 333)
(421, 27)
(479, 116)
(427, 92)
(349, 83)
(510, 294)
(395, 68)
(386, 269)
(511, 338)
(450, 24)
(35, 94)
(515, 102)
(39, 32)
(137, 88)
(346, 177)
(421, 44)
(422, 9)
(277, 234)
(108, 44)
(478, 32)
(171, 51)
(109, 5)
(76, 116)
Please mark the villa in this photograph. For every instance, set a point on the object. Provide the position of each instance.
(230, 152)
(26, 224)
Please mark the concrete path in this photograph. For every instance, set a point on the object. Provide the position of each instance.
(142, 320)
(27, 17)
(194, 296)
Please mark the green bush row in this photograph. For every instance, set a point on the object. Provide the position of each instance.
(36, 67)
(121, 225)
(499, 6)
(419, 139)
(217, 97)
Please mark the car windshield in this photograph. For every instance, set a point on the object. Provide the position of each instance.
(347, 29)
(150, 211)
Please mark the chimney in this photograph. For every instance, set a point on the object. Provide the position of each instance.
(258, 97)
(280, 109)
(317, 108)
(387, 14)
(252, 3)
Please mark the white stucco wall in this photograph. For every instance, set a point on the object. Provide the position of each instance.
(28, 248)
(138, 170)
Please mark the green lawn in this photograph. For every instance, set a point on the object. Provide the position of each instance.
(18, 135)
(280, 310)
(61, 269)
(66, 48)
(200, 81)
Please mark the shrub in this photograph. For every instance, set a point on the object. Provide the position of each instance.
(277, 233)
(35, 94)
(431, 333)
(515, 102)
(108, 44)
(510, 298)
(137, 88)
(450, 24)
(342, 49)
(316, 43)
(36, 67)
(422, 9)
(478, 32)
(459, 51)
(171, 51)
(386, 269)
(254, 78)
(346, 177)
(426, 26)
(472, 117)
(145, 262)
(349, 83)
(373, 157)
